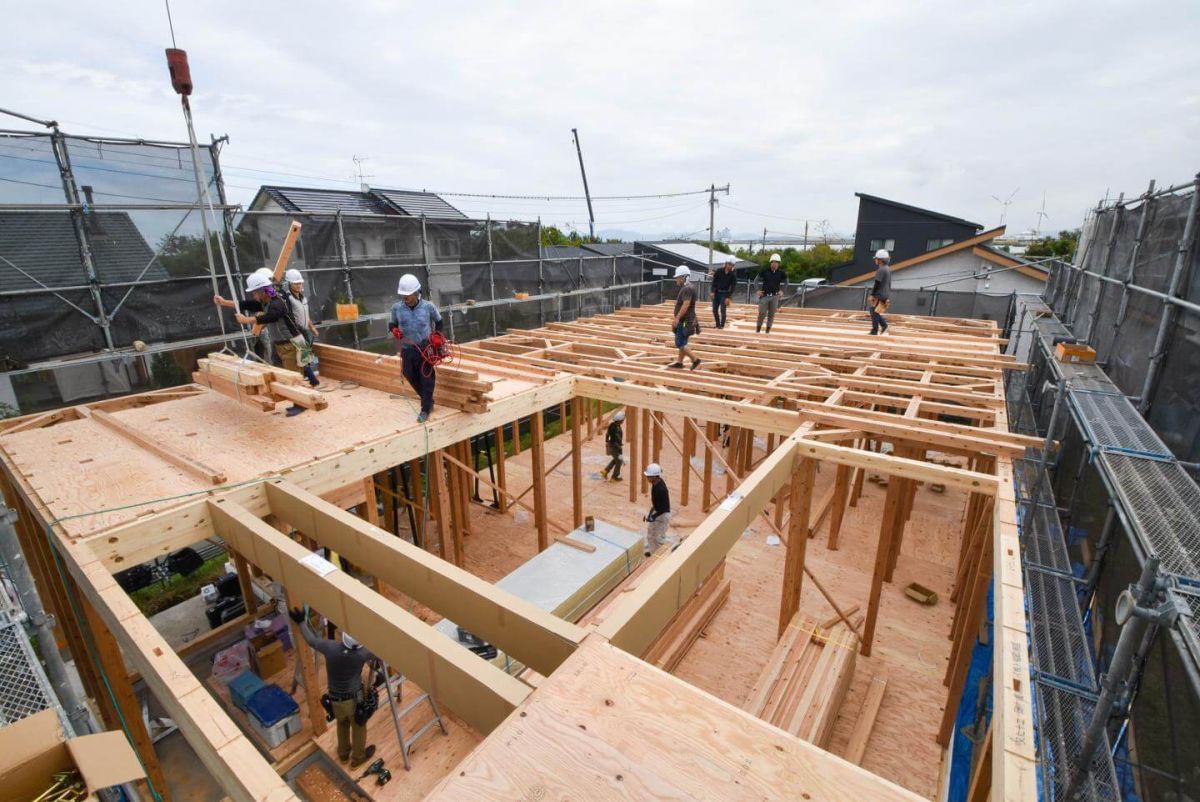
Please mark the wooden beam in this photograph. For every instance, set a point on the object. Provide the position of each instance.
(308, 673)
(538, 447)
(478, 692)
(711, 431)
(647, 425)
(800, 505)
(161, 450)
(635, 466)
(439, 503)
(841, 494)
(689, 447)
(865, 722)
(529, 634)
(576, 461)
(891, 506)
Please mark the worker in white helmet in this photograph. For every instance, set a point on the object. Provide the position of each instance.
(249, 306)
(684, 325)
(275, 317)
(723, 283)
(413, 323)
(614, 442)
(771, 283)
(881, 292)
(295, 358)
(658, 520)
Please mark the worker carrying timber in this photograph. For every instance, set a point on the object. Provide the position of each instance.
(417, 326)
(771, 283)
(684, 325)
(614, 442)
(344, 661)
(881, 292)
(723, 283)
(658, 520)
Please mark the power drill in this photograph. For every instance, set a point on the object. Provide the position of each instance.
(374, 768)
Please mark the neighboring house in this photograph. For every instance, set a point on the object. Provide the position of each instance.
(904, 231)
(970, 265)
(664, 257)
(379, 227)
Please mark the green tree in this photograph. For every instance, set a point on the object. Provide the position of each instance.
(799, 264)
(552, 235)
(1062, 246)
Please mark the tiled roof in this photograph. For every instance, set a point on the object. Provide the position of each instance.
(43, 245)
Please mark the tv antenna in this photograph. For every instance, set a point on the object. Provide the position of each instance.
(358, 172)
(1004, 204)
(1041, 214)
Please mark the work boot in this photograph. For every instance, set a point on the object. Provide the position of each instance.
(604, 473)
(616, 478)
(294, 410)
(368, 753)
(695, 364)
(676, 365)
(424, 416)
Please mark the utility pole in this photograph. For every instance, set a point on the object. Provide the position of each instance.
(764, 247)
(806, 235)
(586, 194)
(712, 216)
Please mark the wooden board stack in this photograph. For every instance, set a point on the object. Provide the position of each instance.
(806, 679)
(689, 622)
(256, 384)
(456, 387)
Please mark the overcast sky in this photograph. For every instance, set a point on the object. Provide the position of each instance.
(797, 105)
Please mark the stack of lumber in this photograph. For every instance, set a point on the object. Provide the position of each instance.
(806, 679)
(689, 622)
(256, 384)
(456, 387)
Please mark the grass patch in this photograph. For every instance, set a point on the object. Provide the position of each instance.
(179, 588)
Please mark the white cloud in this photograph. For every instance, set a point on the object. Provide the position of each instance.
(798, 105)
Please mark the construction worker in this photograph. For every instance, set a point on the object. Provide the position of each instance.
(614, 440)
(248, 306)
(295, 356)
(344, 661)
(770, 292)
(413, 322)
(275, 317)
(723, 283)
(659, 518)
(683, 325)
(881, 292)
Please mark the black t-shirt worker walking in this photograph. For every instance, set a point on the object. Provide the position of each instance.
(881, 292)
(770, 292)
(683, 324)
(723, 283)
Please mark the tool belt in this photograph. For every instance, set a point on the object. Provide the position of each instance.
(367, 704)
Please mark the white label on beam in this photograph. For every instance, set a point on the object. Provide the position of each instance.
(318, 565)
(731, 501)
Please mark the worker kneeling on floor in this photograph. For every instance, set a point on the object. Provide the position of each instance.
(347, 701)
(658, 520)
(417, 326)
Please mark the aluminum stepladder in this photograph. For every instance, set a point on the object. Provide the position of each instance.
(392, 687)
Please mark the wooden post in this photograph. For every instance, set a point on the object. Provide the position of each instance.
(466, 484)
(516, 425)
(658, 437)
(371, 502)
(246, 583)
(735, 436)
(438, 503)
(800, 505)
(577, 461)
(689, 446)
(646, 427)
(562, 417)
(747, 452)
(308, 673)
(841, 494)
(711, 432)
(501, 479)
(420, 498)
(891, 507)
(781, 498)
(589, 410)
(538, 448)
(108, 653)
(635, 468)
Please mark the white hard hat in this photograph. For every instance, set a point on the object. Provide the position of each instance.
(654, 469)
(292, 276)
(683, 271)
(349, 642)
(882, 254)
(265, 271)
(409, 285)
(620, 416)
(775, 258)
(257, 281)
(729, 260)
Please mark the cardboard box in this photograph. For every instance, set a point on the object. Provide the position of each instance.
(270, 659)
(1075, 352)
(33, 749)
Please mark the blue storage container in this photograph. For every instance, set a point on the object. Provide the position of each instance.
(271, 705)
(244, 686)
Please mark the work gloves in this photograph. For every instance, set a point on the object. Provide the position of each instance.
(297, 615)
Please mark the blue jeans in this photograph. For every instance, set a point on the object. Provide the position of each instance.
(415, 370)
(682, 332)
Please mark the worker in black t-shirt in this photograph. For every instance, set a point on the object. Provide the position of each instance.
(658, 520)
(614, 442)
(723, 282)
